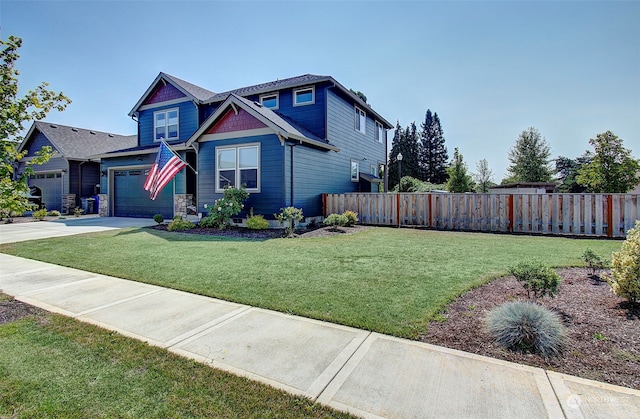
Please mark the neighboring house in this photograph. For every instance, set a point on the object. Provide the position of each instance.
(524, 188)
(288, 141)
(70, 175)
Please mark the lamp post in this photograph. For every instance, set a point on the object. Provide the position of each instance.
(399, 170)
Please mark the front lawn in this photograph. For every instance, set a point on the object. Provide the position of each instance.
(385, 279)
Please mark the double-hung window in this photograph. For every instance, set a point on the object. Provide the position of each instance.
(379, 132)
(238, 166)
(304, 96)
(166, 124)
(360, 120)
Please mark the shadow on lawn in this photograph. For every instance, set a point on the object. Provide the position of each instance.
(193, 236)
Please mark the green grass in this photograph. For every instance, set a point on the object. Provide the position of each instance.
(388, 280)
(53, 366)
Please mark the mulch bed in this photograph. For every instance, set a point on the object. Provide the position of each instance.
(273, 233)
(12, 310)
(603, 330)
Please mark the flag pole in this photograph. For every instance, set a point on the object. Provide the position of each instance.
(174, 153)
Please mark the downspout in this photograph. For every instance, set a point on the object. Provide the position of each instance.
(291, 200)
(80, 181)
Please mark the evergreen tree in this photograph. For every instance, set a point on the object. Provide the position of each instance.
(529, 158)
(567, 171)
(392, 164)
(459, 179)
(483, 177)
(433, 153)
(612, 168)
(404, 141)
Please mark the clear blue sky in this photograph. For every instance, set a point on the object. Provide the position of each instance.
(489, 69)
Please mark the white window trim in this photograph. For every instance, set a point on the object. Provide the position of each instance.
(268, 95)
(237, 169)
(313, 96)
(357, 178)
(363, 127)
(166, 125)
(379, 130)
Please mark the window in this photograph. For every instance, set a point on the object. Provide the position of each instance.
(270, 100)
(236, 166)
(374, 170)
(355, 171)
(380, 133)
(304, 96)
(166, 124)
(361, 120)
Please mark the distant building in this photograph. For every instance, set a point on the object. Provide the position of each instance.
(525, 187)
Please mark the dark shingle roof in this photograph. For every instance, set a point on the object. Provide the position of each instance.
(79, 143)
(200, 93)
(270, 86)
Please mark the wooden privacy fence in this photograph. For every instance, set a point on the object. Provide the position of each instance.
(609, 215)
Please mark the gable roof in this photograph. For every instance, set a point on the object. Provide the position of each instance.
(79, 143)
(195, 93)
(283, 128)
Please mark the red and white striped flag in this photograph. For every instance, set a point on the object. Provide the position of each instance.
(166, 166)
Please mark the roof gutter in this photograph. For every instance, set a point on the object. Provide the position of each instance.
(174, 147)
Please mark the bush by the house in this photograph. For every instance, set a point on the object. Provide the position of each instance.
(158, 218)
(289, 216)
(54, 213)
(336, 220)
(78, 211)
(223, 209)
(625, 267)
(536, 278)
(527, 326)
(593, 262)
(178, 224)
(257, 222)
(352, 217)
(40, 214)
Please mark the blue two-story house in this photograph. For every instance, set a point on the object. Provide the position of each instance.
(287, 141)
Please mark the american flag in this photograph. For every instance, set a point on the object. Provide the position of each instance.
(166, 166)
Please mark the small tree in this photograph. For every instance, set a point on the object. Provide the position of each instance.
(625, 267)
(289, 216)
(529, 157)
(15, 111)
(612, 169)
(536, 278)
(483, 176)
(459, 179)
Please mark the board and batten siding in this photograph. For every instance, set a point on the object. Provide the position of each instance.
(271, 196)
(187, 122)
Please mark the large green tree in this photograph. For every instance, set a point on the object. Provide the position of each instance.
(567, 173)
(433, 152)
(530, 158)
(459, 178)
(405, 142)
(612, 168)
(14, 112)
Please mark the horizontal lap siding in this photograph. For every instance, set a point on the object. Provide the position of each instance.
(39, 141)
(271, 196)
(187, 122)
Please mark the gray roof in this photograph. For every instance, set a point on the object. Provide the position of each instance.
(199, 93)
(270, 86)
(79, 143)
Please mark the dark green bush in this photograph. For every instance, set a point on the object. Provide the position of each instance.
(158, 218)
(536, 278)
(336, 220)
(257, 222)
(178, 224)
(526, 326)
(593, 261)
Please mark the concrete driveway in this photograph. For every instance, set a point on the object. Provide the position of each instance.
(17, 232)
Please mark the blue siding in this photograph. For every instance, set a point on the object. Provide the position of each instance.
(271, 196)
(187, 120)
(36, 143)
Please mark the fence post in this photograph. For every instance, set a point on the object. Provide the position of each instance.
(511, 213)
(398, 207)
(324, 204)
(610, 215)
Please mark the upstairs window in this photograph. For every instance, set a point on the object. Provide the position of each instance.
(360, 121)
(166, 124)
(270, 101)
(304, 96)
(380, 134)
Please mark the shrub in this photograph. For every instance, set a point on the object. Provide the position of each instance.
(336, 220)
(158, 218)
(536, 278)
(257, 222)
(223, 209)
(625, 267)
(352, 217)
(593, 261)
(178, 224)
(78, 211)
(40, 214)
(526, 326)
(54, 213)
(289, 216)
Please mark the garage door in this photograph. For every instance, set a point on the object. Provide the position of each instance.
(131, 200)
(50, 185)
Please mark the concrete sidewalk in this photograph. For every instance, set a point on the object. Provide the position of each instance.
(368, 374)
